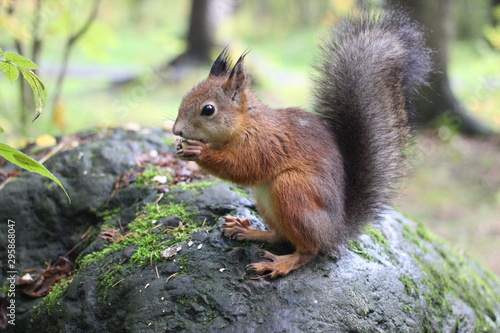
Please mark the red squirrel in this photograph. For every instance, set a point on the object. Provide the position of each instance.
(317, 177)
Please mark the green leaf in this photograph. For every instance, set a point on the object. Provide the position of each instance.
(20, 60)
(39, 91)
(1, 52)
(1, 130)
(9, 70)
(14, 156)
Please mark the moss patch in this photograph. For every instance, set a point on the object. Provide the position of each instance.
(145, 179)
(410, 234)
(376, 235)
(454, 276)
(112, 275)
(411, 288)
(53, 299)
(238, 190)
(149, 238)
(110, 214)
(358, 249)
(196, 187)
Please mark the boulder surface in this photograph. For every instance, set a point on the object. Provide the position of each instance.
(156, 260)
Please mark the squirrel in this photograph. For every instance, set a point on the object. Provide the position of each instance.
(317, 177)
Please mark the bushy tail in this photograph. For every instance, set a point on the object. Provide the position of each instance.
(371, 66)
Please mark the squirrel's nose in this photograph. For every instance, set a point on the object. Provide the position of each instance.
(176, 130)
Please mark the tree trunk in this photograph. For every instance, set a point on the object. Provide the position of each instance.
(200, 35)
(199, 40)
(438, 101)
(494, 7)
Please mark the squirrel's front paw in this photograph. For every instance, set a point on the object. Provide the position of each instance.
(189, 150)
(235, 227)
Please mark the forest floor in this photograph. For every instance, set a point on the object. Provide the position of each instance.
(455, 191)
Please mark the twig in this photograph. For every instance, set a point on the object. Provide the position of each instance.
(159, 198)
(170, 277)
(67, 51)
(51, 153)
(37, 42)
(117, 283)
(5, 182)
(23, 87)
(85, 236)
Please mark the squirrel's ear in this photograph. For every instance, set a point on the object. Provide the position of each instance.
(221, 64)
(237, 80)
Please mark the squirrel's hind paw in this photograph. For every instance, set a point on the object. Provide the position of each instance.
(279, 265)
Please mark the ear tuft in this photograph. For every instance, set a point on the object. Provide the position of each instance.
(237, 80)
(239, 67)
(221, 64)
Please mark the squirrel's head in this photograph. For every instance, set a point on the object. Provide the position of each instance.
(213, 110)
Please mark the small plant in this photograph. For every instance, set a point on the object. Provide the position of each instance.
(10, 65)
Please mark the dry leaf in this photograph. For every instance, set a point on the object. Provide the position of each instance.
(170, 252)
(45, 140)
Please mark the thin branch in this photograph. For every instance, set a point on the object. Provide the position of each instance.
(37, 41)
(67, 51)
(23, 86)
(87, 24)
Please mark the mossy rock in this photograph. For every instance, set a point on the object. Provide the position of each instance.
(389, 284)
(395, 277)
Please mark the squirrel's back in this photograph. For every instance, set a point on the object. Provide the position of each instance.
(370, 66)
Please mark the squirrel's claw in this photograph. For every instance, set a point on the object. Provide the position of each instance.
(260, 268)
(235, 227)
(279, 265)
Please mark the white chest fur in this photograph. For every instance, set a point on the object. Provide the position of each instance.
(263, 197)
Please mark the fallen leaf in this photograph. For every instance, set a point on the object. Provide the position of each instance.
(45, 140)
(160, 179)
(170, 252)
(42, 284)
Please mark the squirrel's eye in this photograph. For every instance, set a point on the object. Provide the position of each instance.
(208, 110)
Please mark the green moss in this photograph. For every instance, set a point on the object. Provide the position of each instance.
(455, 277)
(183, 263)
(109, 278)
(109, 214)
(376, 235)
(410, 286)
(145, 179)
(210, 317)
(196, 187)
(53, 299)
(187, 300)
(410, 234)
(451, 275)
(148, 241)
(425, 234)
(407, 308)
(358, 249)
(238, 190)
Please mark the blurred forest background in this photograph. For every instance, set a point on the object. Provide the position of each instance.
(128, 63)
